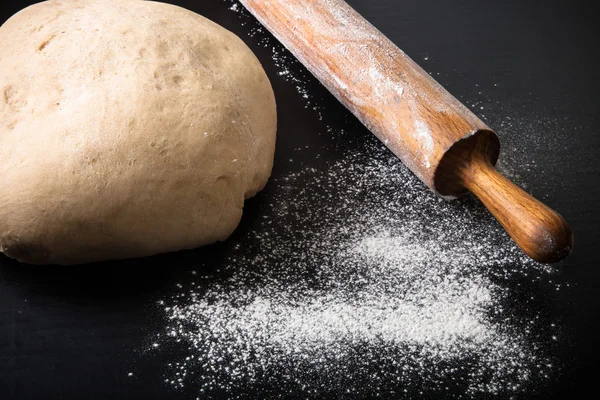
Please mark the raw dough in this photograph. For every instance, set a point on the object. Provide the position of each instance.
(127, 128)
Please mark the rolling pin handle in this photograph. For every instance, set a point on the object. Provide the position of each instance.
(538, 230)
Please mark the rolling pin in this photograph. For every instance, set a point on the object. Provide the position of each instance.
(447, 146)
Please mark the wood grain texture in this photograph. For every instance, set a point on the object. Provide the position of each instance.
(416, 118)
(538, 230)
(447, 146)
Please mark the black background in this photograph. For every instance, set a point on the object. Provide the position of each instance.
(75, 332)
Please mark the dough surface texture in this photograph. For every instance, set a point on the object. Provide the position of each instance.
(127, 128)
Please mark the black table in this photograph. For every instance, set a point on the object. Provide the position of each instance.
(75, 332)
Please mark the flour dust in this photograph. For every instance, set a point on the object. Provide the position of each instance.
(357, 282)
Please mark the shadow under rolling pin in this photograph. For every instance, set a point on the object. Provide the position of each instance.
(447, 146)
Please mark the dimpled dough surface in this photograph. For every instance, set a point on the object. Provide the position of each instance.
(127, 128)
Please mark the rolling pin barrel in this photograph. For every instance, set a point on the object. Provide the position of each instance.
(447, 146)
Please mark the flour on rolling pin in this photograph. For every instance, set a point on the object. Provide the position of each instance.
(348, 41)
(440, 140)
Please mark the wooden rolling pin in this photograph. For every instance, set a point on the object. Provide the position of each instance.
(448, 147)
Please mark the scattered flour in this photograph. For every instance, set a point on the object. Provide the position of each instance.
(288, 67)
(383, 290)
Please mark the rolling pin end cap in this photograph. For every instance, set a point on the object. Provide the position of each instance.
(553, 241)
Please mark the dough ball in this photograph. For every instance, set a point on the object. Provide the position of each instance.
(127, 128)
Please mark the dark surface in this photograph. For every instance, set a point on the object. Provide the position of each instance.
(75, 332)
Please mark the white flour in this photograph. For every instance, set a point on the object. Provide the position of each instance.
(381, 283)
(357, 281)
